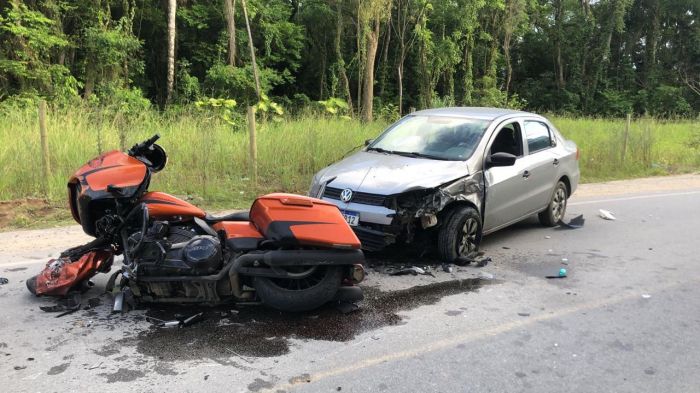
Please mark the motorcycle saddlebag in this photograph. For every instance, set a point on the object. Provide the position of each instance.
(295, 220)
(60, 275)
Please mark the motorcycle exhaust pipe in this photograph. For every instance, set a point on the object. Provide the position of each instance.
(278, 258)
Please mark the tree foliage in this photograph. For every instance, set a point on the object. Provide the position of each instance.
(604, 57)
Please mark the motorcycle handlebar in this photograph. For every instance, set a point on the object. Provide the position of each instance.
(139, 147)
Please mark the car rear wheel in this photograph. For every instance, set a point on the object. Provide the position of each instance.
(460, 234)
(557, 206)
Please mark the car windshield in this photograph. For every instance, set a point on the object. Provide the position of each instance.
(434, 137)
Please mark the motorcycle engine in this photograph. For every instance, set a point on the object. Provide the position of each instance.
(175, 251)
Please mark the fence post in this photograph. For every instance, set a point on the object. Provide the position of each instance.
(253, 149)
(45, 163)
(627, 136)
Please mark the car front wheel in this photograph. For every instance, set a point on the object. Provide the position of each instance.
(460, 234)
(557, 206)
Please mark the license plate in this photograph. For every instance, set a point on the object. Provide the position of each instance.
(352, 218)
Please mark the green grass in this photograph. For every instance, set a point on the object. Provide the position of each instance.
(208, 160)
(653, 147)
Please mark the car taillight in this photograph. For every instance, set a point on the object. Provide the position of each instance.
(578, 153)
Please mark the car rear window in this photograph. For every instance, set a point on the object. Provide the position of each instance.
(539, 137)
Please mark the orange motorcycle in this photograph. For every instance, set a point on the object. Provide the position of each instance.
(289, 252)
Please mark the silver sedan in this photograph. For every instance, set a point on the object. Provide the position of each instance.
(452, 175)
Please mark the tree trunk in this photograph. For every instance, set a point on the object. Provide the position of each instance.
(252, 50)
(559, 65)
(468, 70)
(172, 8)
(340, 63)
(400, 80)
(368, 81)
(652, 39)
(384, 59)
(230, 10)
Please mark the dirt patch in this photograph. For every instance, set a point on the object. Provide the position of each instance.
(30, 212)
(639, 186)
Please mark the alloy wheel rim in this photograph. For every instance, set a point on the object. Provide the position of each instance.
(558, 204)
(467, 242)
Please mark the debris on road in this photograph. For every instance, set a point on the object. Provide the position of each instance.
(414, 270)
(524, 314)
(65, 306)
(469, 259)
(646, 296)
(562, 274)
(574, 223)
(346, 307)
(485, 276)
(447, 268)
(3, 281)
(179, 322)
(606, 215)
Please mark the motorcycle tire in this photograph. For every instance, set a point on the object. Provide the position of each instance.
(300, 295)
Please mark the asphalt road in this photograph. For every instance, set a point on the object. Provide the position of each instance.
(626, 319)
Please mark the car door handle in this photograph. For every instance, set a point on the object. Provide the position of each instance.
(526, 174)
(556, 162)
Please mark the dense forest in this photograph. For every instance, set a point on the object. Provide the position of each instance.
(363, 57)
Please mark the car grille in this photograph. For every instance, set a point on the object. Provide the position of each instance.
(363, 198)
(371, 240)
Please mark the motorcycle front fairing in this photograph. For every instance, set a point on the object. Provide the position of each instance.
(98, 185)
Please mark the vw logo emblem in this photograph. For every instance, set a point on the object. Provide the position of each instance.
(346, 195)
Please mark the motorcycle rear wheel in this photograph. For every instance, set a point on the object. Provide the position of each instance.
(304, 294)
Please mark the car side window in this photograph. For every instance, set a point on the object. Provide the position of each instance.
(539, 137)
(508, 140)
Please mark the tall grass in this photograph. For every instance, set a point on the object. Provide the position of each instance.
(654, 147)
(208, 160)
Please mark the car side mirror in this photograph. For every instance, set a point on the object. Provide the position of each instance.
(500, 159)
(368, 141)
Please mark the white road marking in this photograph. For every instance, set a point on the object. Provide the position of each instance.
(631, 198)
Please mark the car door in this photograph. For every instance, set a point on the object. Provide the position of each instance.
(504, 185)
(541, 165)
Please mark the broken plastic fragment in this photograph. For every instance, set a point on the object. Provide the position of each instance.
(605, 214)
(414, 270)
(346, 307)
(65, 306)
(3, 281)
(574, 223)
(180, 322)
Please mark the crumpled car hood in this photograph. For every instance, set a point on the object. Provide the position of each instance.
(388, 174)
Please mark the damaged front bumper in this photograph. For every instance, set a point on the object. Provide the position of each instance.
(400, 217)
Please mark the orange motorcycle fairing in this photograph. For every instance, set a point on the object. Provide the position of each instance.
(299, 220)
(162, 205)
(60, 275)
(96, 185)
(114, 169)
(240, 235)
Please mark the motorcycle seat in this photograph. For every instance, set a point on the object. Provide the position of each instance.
(237, 216)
